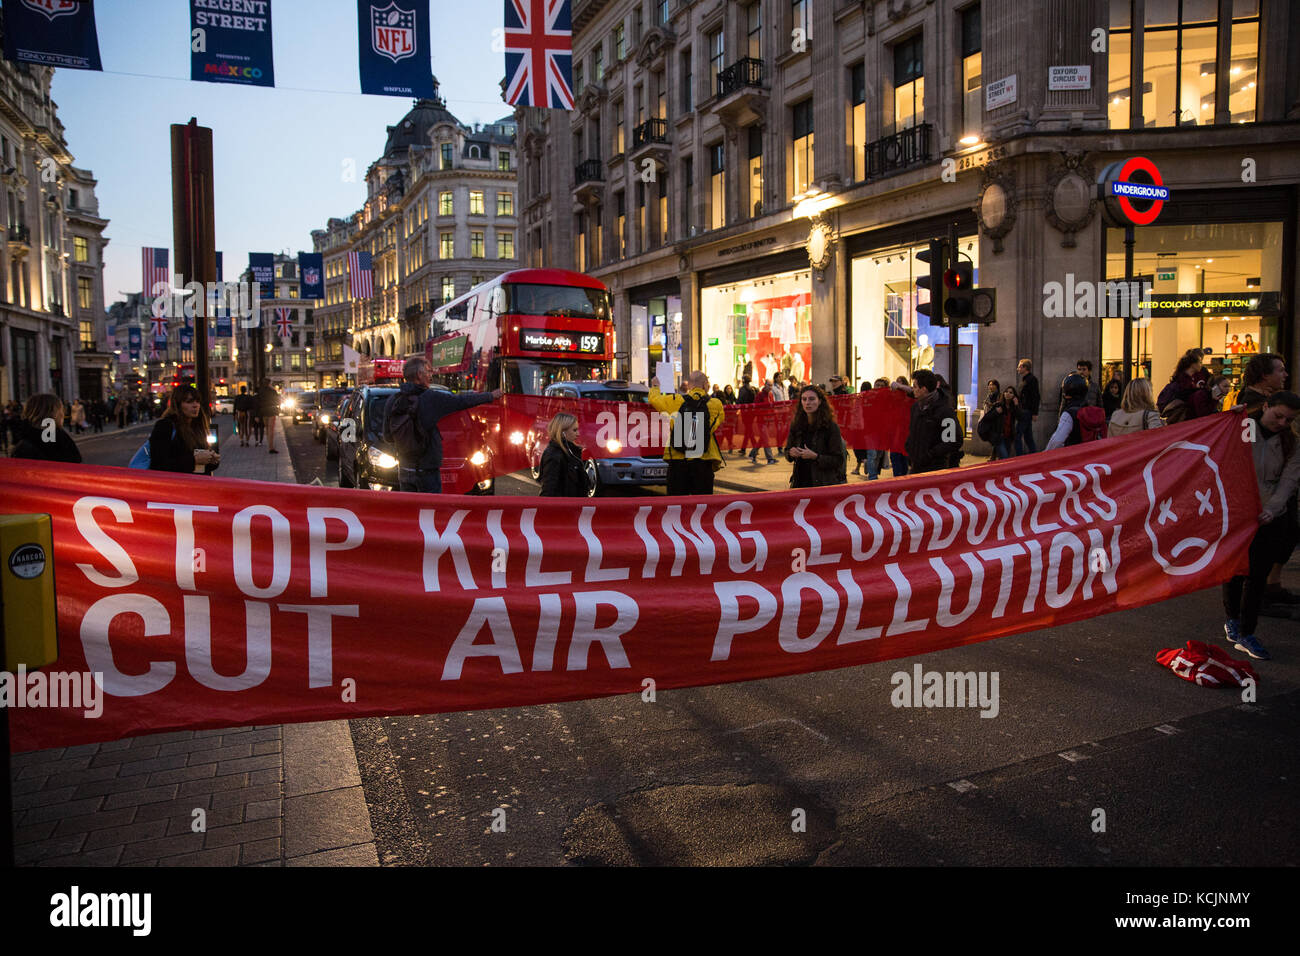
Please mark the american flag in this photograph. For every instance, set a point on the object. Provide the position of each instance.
(539, 53)
(359, 275)
(282, 320)
(154, 265)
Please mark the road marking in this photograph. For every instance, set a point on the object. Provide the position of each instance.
(961, 786)
(779, 720)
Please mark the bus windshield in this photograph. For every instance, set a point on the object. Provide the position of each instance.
(530, 377)
(558, 300)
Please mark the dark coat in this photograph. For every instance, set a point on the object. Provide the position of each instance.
(168, 451)
(829, 467)
(1030, 394)
(432, 405)
(268, 402)
(926, 449)
(63, 448)
(563, 473)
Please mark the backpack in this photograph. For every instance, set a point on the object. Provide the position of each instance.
(691, 433)
(1173, 404)
(143, 458)
(402, 428)
(1091, 421)
(988, 422)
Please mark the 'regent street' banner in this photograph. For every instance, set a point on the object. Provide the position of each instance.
(230, 42)
(207, 602)
(262, 265)
(393, 48)
(58, 33)
(311, 271)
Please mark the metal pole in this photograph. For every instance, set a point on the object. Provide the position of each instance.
(954, 327)
(1129, 370)
(6, 797)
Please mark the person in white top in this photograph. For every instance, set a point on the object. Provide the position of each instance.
(778, 389)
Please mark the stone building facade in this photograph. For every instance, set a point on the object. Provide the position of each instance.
(52, 318)
(753, 180)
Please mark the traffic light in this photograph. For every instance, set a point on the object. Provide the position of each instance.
(984, 306)
(958, 292)
(936, 256)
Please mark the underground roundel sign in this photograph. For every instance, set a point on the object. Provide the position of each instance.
(1133, 191)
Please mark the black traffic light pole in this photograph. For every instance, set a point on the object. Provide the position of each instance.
(954, 326)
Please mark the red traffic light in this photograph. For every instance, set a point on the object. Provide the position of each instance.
(956, 278)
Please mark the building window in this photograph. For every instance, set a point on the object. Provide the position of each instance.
(598, 64)
(86, 334)
(972, 79)
(578, 82)
(688, 96)
(475, 152)
(85, 293)
(476, 202)
(661, 95)
(799, 17)
(858, 121)
(277, 362)
(803, 148)
(620, 205)
(620, 43)
(688, 198)
(620, 133)
(717, 50)
(1244, 57)
(476, 245)
(663, 209)
(580, 242)
(503, 160)
(754, 30)
(80, 249)
(446, 156)
(717, 187)
(447, 245)
(505, 244)
(295, 362)
(448, 288)
(756, 170)
(445, 205)
(663, 11)
(505, 203)
(909, 85)
(641, 243)
(598, 238)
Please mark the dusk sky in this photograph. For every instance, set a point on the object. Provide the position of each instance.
(279, 152)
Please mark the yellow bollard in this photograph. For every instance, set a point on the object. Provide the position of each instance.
(28, 630)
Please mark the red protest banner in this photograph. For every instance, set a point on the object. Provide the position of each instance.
(206, 602)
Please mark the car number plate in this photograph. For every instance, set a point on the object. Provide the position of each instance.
(657, 472)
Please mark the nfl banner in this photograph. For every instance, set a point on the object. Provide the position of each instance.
(311, 268)
(187, 339)
(231, 49)
(539, 53)
(134, 339)
(58, 33)
(262, 265)
(224, 330)
(393, 48)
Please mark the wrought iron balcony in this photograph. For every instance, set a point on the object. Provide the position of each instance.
(588, 171)
(745, 72)
(903, 150)
(651, 131)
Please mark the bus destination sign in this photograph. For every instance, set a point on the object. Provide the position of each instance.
(549, 340)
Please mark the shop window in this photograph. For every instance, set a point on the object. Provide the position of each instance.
(754, 30)
(972, 80)
(756, 170)
(505, 203)
(476, 202)
(858, 121)
(717, 50)
(909, 85)
(803, 148)
(717, 187)
(757, 327)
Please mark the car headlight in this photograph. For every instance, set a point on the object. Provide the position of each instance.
(614, 445)
(381, 459)
(478, 458)
(288, 403)
(324, 419)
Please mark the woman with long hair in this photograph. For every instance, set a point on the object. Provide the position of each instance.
(563, 473)
(814, 444)
(1113, 397)
(179, 441)
(39, 432)
(1137, 412)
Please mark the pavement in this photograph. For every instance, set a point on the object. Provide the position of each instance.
(739, 474)
(246, 796)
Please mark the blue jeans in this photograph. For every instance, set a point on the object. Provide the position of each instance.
(873, 464)
(898, 463)
(429, 482)
(1025, 433)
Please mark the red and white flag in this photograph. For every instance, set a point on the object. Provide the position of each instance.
(283, 323)
(359, 276)
(153, 263)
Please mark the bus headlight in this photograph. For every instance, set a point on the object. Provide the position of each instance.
(516, 438)
(381, 459)
(478, 458)
(614, 445)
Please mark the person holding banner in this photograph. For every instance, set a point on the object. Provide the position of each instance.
(696, 417)
(1277, 472)
(179, 440)
(814, 443)
(39, 432)
(935, 434)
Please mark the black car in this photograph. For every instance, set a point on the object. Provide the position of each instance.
(298, 407)
(325, 410)
(365, 459)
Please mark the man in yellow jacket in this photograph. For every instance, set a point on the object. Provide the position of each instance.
(692, 452)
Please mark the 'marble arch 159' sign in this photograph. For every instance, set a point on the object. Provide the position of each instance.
(1132, 191)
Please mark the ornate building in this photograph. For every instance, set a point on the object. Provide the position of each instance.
(52, 319)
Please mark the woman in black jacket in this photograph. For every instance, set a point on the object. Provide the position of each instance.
(179, 441)
(563, 473)
(814, 443)
(43, 417)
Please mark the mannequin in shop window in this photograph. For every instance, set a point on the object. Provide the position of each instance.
(771, 366)
(745, 369)
(797, 367)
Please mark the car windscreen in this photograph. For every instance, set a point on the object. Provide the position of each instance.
(330, 400)
(531, 377)
(306, 399)
(558, 300)
(615, 395)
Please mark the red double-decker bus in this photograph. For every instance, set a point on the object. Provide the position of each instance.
(523, 331)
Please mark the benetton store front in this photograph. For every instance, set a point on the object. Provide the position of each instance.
(1218, 264)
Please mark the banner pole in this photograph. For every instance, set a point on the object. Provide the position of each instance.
(6, 783)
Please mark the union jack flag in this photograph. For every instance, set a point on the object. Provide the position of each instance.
(153, 264)
(359, 278)
(159, 327)
(282, 320)
(539, 53)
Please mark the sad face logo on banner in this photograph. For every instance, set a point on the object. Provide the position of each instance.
(1187, 508)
